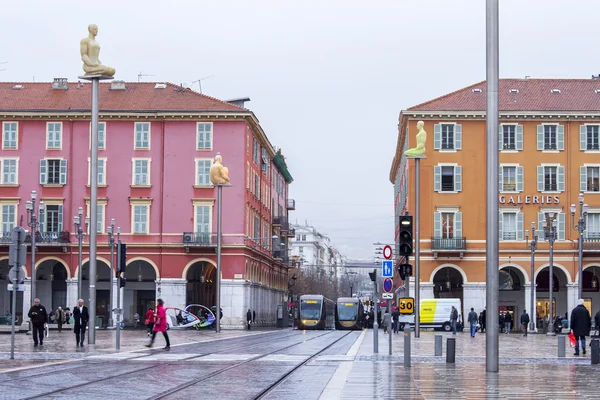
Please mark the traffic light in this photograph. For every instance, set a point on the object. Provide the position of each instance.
(405, 239)
(123, 258)
(373, 275)
(404, 270)
(122, 282)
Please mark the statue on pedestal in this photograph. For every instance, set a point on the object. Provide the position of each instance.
(219, 175)
(90, 52)
(419, 150)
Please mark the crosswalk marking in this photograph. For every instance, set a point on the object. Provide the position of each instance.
(117, 356)
(166, 357)
(283, 358)
(225, 357)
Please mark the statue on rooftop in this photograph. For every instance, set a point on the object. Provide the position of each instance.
(219, 175)
(90, 52)
(419, 150)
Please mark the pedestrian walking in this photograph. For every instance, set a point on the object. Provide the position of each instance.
(386, 321)
(160, 325)
(60, 318)
(524, 322)
(82, 317)
(149, 321)
(472, 319)
(581, 324)
(453, 319)
(396, 319)
(253, 317)
(507, 322)
(39, 318)
(68, 315)
(248, 318)
(482, 323)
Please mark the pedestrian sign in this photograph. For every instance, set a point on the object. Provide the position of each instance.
(387, 268)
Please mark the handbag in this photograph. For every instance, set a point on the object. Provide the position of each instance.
(572, 339)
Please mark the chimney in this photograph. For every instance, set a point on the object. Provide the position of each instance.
(60, 84)
(239, 102)
(595, 76)
(117, 85)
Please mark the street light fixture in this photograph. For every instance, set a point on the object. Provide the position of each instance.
(77, 221)
(550, 237)
(580, 228)
(34, 223)
(111, 244)
(533, 248)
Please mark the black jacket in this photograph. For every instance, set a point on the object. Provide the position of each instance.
(38, 315)
(524, 318)
(248, 316)
(581, 322)
(81, 318)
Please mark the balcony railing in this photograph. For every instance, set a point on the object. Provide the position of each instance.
(291, 232)
(199, 239)
(5, 237)
(291, 204)
(50, 238)
(592, 242)
(282, 222)
(441, 244)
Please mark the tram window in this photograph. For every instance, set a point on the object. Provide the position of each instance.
(347, 311)
(310, 309)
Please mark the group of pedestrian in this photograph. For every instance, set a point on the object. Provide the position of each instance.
(250, 317)
(39, 317)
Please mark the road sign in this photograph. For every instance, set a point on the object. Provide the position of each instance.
(17, 257)
(20, 288)
(387, 252)
(14, 274)
(387, 296)
(388, 285)
(387, 268)
(406, 305)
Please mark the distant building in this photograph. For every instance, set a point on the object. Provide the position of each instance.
(314, 252)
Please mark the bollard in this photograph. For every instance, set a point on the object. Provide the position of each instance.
(450, 350)
(561, 345)
(595, 347)
(407, 345)
(438, 345)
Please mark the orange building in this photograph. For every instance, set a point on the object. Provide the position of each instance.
(549, 154)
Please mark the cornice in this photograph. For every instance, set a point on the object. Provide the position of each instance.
(528, 115)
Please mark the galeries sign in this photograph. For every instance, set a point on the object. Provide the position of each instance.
(528, 199)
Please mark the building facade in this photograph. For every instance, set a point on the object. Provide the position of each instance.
(549, 154)
(157, 143)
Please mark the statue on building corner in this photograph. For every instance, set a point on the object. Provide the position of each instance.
(419, 150)
(90, 53)
(219, 175)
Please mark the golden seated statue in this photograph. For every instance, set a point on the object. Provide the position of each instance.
(219, 175)
(90, 53)
(421, 139)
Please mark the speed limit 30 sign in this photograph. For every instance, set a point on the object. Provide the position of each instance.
(406, 305)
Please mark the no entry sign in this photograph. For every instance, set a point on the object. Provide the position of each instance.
(387, 252)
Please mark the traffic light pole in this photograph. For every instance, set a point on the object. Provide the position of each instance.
(118, 268)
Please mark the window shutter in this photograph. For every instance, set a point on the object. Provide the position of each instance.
(501, 178)
(60, 218)
(561, 226)
(101, 136)
(583, 137)
(458, 137)
(500, 137)
(43, 174)
(520, 177)
(520, 226)
(63, 172)
(437, 136)
(519, 137)
(540, 179)
(560, 137)
(541, 225)
(458, 225)
(561, 179)
(583, 179)
(208, 136)
(500, 229)
(437, 225)
(540, 137)
(437, 178)
(458, 178)
(42, 227)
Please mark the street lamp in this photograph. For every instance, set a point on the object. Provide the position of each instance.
(34, 223)
(550, 237)
(78, 222)
(533, 248)
(580, 228)
(111, 244)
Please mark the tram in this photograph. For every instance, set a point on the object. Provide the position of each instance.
(316, 312)
(349, 314)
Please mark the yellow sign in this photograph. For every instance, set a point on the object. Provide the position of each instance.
(348, 304)
(310, 301)
(406, 305)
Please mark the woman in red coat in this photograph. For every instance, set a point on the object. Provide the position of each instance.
(160, 325)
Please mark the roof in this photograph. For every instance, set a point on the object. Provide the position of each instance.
(530, 95)
(137, 97)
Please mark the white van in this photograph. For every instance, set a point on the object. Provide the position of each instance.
(435, 313)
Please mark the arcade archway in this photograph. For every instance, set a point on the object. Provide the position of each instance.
(201, 279)
(51, 284)
(448, 284)
(102, 288)
(140, 291)
(559, 293)
(511, 298)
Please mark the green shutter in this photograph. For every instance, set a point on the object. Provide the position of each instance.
(501, 178)
(519, 137)
(583, 137)
(520, 178)
(500, 229)
(561, 226)
(437, 136)
(540, 179)
(520, 226)
(437, 178)
(541, 225)
(60, 218)
(43, 174)
(437, 225)
(540, 137)
(583, 179)
(561, 178)
(458, 178)
(63, 172)
(560, 137)
(458, 137)
(458, 225)
(501, 137)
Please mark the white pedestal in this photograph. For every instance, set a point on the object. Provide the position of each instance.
(530, 311)
(473, 296)
(172, 291)
(72, 293)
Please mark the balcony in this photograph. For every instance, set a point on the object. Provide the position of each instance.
(448, 245)
(291, 232)
(50, 238)
(291, 204)
(5, 237)
(281, 255)
(199, 239)
(591, 243)
(282, 222)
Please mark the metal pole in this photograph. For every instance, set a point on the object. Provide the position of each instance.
(14, 302)
(111, 243)
(417, 248)
(218, 291)
(34, 225)
(551, 275)
(93, 209)
(79, 257)
(532, 295)
(375, 324)
(118, 328)
(491, 242)
(580, 256)
(389, 311)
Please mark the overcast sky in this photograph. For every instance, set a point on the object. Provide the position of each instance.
(327, 79)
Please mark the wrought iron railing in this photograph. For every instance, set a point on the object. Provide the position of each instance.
(199, 239)
(49, 238)
(448, 243)
(592, 241)
(5, 237)
(282, 222)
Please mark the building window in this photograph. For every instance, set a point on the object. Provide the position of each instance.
(101, 171)
(592, 230)
(551, 178)
(203, 219)
(203, 172)
(53, 218)
(54, 135)
(589, 178)
(257, 229)
(142, 136)
(141, 172)
(511, 137)
(543, 218)
(100, 213)
(511, 178)
(53, 172)
(101, 135)
(140, 218)
(590, 137)
(10, 171)
(204, 136)
(447, 178)
(447, 137)
(550, 137)
(257, 186)
(301, 249)
(303, 238)
(10, 138)
(511, 225)
(9, 218)
(256, 152)
(447, 224)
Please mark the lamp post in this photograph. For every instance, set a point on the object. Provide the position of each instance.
(550, 237)
(78, 221)
(111, 244)
(580, 228)
(34, 223)
(533, 247)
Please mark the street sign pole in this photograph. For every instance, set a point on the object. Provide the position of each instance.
(389, 310)
(17, 258)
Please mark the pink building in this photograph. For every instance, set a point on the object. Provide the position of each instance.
(156, 145)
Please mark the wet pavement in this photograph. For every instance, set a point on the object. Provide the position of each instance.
(290, 364)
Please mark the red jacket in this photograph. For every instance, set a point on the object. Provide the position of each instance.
(149, 316)
(161, 319)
